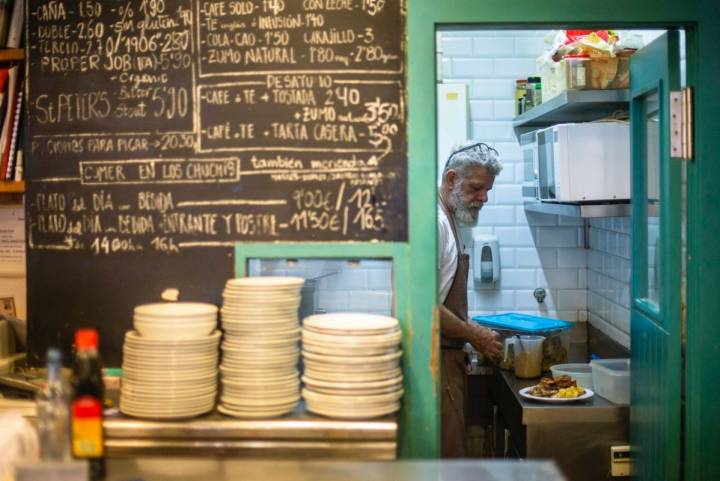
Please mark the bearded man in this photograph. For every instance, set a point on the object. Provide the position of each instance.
(467, 178)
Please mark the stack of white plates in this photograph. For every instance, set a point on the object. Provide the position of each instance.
(260, 350)
(352, 365)
(170, 361)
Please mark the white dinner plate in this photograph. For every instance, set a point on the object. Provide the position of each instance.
(255, 414)
(265, 282)
(352, 413)
(525, 392)
(351, 323)
(175, 309)
(352, 360)
(343, 376)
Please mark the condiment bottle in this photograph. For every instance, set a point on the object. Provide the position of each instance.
(520, 87)
(88, 440)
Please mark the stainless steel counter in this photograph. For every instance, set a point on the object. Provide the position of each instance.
(577, 435)
(149, 469)
(595, 410)
(299, 435)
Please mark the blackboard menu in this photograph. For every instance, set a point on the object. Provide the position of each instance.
(161, 133)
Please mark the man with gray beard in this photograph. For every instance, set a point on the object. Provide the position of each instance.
(467, 178)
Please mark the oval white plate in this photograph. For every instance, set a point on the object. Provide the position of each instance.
(525, 392)
(264, 282)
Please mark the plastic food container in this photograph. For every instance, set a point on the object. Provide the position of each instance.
(611, 378)
(582, 373)
(556, 333)
(528, 356)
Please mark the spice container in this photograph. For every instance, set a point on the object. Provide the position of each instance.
(520, 88)
(577, 71)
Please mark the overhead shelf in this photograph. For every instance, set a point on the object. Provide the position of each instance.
(573, 106)
(619, 209)
(12, 187)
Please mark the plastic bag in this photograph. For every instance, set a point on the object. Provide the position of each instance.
(18, 443)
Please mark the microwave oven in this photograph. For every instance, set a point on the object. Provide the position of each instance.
(584, 162)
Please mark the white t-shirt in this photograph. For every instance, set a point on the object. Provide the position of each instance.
(447, 255)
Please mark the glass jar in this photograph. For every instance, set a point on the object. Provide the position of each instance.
(577, 71)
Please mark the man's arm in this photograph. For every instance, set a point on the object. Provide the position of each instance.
(482, 339)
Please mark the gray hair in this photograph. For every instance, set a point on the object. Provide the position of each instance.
(472, 155)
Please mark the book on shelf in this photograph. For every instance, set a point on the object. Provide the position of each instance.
(11, 96)
(12, 150)
(5, 13)
(18, 174)
(15, 27)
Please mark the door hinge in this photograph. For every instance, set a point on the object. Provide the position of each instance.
(681, 124)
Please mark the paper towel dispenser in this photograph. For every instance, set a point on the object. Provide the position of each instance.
(486, 261)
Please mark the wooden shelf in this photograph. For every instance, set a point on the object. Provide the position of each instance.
(12, 187)
(10, 54)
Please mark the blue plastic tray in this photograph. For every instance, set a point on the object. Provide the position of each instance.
(512, 321)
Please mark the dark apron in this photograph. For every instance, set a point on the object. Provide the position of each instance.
(453, 375)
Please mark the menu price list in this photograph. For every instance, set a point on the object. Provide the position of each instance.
(165, 125)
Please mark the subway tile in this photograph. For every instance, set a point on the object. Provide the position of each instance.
(362, 300)
(582, 278)
(518, 236)
(493, 47)
(514, 67)
(346, 279)
(333, 300)
(520, 173)
(568, 315)
(517, 278)
(557, 236)
(572, 257)
(379, 280)
(572, 299)
(454, 47)
(376, 264)
(582, 316)
(494, 299)
(506, 176)
(472, 67)
(508, 194)
(481, 110)
(504, 109)
(446, 71)
(527, 257)
(492, 88)
(610, 330)
(508, 151)
(492, 131)
(497, 215)
(558, 278)
(548, 257)
(507, 257)
(530, 47)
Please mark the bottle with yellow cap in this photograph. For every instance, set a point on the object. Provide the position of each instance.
(87, 436)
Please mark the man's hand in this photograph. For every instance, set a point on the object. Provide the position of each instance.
(485, 341)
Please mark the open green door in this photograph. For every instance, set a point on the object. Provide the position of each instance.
(656, 263)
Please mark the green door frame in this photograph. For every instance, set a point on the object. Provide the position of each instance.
(414, 263)
(701, 19)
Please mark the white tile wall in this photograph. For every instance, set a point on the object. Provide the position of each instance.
(608, 277)
(536, 250)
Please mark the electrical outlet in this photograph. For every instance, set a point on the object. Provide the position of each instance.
(619, 461)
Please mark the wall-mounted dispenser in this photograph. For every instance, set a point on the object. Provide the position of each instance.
(486, 261)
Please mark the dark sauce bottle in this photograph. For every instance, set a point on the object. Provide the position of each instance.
(87, 435)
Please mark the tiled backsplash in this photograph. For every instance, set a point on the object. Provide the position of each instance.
(536, 250)
(609, 277)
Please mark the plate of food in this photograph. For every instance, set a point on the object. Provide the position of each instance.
(562, 389)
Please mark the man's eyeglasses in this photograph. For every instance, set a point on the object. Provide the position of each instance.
(481, 146)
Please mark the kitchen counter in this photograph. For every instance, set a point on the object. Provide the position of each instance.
(149, 469)
(576, 435)
(595, 410)
(298, 435)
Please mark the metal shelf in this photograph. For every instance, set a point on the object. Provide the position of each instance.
(623, 209)
(573, 106)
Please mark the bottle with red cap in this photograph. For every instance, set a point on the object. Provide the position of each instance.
(87, 434)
